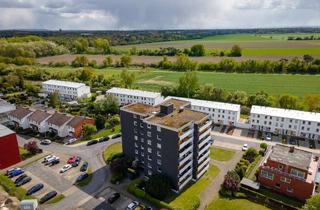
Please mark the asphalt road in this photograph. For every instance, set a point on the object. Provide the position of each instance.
(93, 155)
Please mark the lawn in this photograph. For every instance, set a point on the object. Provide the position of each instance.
(112, 149)
(221, 154)
(86, 180)
(9, 186)
(24, 154)
(106, 132)
(232, 204)
(189, 198)
(281, 51)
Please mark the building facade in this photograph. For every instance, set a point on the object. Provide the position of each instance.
(19, 117)
(5, 108)
(9, 154)
(290, 171)
(286, 122)
(169, 139)
(219, 113)
(128, 96)
(67, 90)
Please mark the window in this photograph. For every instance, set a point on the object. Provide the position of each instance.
(149, 142)
(136, 145)
(277, 185)
(135, 123)
(158, 146)
(280, 166)
(149, 134)
(158, 153)
(149, 126)
(149, 157)
(149, 165)
(136, 151)
(297, 173)
(285, 179)
(136, 138)
(267, 174)
(289, 189)
(149, 172)
(134, 116)
(159, 162)
(141, 125)
(149, 150)
(159, 169)
(142, 154)
(142, 147)
(158, 128)
(142, 140)
(158, 137)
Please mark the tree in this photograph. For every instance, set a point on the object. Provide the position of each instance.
(188, 84)
(100, 122)
(107, 61)
(125, 60)
(236, 51)
(308, 58)
(88, 130)
(80, 61)
(54, 100)
(260, 98)
(197, 50)
(158, 186)
(312, 102)
(183, 63)
(312, 203)
(109, 105)
(263, 146)
(32, 147)
(288, 102)
(231, 181)
(250, 154)
(127, 78)
(86, 73)
(103, 45)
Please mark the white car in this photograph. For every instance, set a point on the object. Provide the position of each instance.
(268, 137)
(50, 159)
(132, 205)
(46, 158)
(45, 142)
(65, 168)
(245, 147)
(70, 141)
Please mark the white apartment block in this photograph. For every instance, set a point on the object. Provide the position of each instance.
(128, 96)
(67, 90)
(219, 113)
(286, 122)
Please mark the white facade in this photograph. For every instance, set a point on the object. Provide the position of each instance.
(128, 96)
(219, 113)
(286, 122)
(6, 107)
(23, 122)
(67, 90)
(42, 126)
(62, 131)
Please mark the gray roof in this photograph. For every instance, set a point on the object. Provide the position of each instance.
(20, 113)
(298, 158)
(59, 119)
(39, 116)
(4, 131)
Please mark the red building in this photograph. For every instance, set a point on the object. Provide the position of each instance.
(9, 154)
(76, 124)
(290, 171)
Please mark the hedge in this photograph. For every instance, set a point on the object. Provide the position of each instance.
(11, 188)
(133, 189)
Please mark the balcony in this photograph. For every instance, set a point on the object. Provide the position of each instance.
(203, 141)
(184, 182)
(203, 164)
(185, 151)
(187, 172)
(203, 171)
(205, 133)
(185, 156)
(185, 141)
(185, 159)
(276, 170)
(203, 156)
(205, 126)
(185, 166)
(204, 148)
(186, 133)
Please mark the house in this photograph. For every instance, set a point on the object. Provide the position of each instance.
(38, 121)
(76, 124)
(286, 122)
(128, 96)
(290, 171)
(9, 154)
(20, 117)
(57, 124)
(67, 90)
(5, 108)
(169, 139)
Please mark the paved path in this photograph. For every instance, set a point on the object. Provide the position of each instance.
(212, 190)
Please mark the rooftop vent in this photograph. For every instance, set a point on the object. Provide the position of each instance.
(291, 150)
(181, 108)
(166, 108)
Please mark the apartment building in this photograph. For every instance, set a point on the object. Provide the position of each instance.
(286, 122)
(67, 90)
(219, 113)
(128, 96)
(290, 171)
(169, 139)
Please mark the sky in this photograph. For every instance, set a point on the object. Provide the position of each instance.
(156, 14)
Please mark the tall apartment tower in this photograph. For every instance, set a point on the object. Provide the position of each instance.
(169, 139)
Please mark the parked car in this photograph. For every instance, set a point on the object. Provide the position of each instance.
(114, 197)
(103, 139)
(45, 142)
(70, 141)
(23, 181)
(116, 136)
(16, 172)
(132, 205)
(46, 158)
(245, 147)
(65, 168)
(10, 170)
(92, 142)
(81, 177)
(268, 136)
(72, 159)
(50, 160)
(54, 162)
(148, 208)
(35, 188)
(48, 196)
(84, 167)
(75, 164)
(78, 159)
(20, 178)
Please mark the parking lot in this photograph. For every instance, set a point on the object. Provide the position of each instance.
(119, 204)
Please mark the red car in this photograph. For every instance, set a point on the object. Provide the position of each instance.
(72, 159)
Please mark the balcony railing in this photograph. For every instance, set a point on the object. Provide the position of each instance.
(185, 134)
(184, 142)
(201, 172)
(205, 133)
(186, 165)
(276, 170)
(185, 156)
(185, 173)
(203, 141)
(185, 159)
(204, 148)
(185, 151)
(203, 156)
(205, 126)
(184, 182)
(204, 163)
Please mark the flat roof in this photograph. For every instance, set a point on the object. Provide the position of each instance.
(210, 104)
(4, 131)
(177, 103)
(64, 83)
(286, 113)
(134, 92)
(144, 109)
(298, 158)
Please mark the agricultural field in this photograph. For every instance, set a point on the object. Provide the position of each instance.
(274, 84)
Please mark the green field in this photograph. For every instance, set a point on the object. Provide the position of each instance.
(231, 204)
(280, 51)
(273, 84)
(221, 154)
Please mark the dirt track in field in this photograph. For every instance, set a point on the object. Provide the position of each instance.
(155, 59)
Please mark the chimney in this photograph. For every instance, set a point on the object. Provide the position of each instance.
(181, 108)
(166, 108)
(291, 150)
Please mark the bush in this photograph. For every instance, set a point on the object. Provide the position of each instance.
(158, 186)
(263, 146)
(231, 182)
(250, 154)
(11, 189)
(32, 147)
